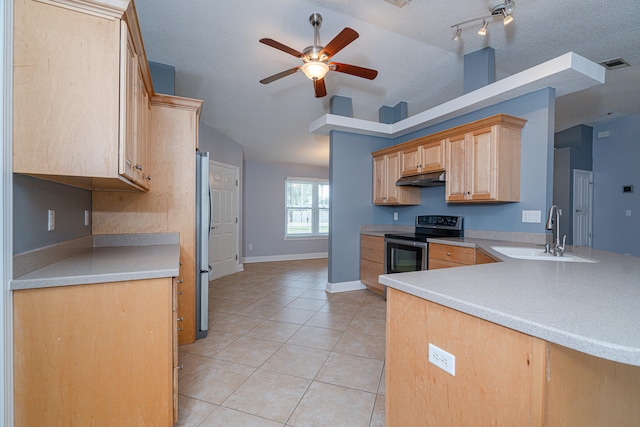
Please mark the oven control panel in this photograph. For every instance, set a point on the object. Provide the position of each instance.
(440, 221)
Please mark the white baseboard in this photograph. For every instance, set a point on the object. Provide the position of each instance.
(290, 257)
(239, 268)
(355, 285)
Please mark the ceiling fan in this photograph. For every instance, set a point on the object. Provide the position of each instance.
(315, 58)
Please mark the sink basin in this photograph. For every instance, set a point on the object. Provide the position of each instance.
(537, 254)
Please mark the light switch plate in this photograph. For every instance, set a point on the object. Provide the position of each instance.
(51, 220)
(531, 216)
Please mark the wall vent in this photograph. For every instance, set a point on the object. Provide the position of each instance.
(615, 63)
(398, 3)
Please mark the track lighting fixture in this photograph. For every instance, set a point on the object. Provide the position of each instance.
(458, 33)
(497, 8)
(483, 30)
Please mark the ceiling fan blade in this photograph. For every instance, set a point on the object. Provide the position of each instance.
(279, 75)
(280, 46)
(320, 88)
(338, 43)
(366, 73)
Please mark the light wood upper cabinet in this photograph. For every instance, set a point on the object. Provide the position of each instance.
(483, 163)
(76, 94)
(481, 160)
(386, 171)
(429, 157)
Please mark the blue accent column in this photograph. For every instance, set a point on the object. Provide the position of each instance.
(163, 77)
(479, 69)
(390, 115)
(341, 106)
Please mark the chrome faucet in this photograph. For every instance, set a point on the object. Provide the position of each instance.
(553, 219)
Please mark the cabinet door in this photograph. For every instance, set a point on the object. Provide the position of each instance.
(482, 165)
(410, 160)
(379, 180)
(393, 173)
(141, 168)
(432, 157)
(128, 95)
(456, 169)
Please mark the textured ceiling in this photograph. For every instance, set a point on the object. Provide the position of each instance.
(214, 46)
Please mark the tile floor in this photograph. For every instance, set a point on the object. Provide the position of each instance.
(283, 352)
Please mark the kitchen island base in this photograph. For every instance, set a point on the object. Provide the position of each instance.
(502, 377)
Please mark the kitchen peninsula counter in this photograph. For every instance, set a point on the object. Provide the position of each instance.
(516, 342)
(588, 307)
(105, 258)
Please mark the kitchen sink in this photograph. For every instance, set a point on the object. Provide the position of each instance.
(537, 254)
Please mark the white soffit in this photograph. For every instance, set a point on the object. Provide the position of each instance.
(567, 74)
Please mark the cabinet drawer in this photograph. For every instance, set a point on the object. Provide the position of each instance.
(372, 248)
(455, 254)
(369, 272)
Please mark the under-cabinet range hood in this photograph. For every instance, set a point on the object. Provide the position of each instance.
(431, 179)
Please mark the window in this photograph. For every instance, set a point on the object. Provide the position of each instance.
(307, 207)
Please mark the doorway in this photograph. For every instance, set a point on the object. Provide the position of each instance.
(582, 207)
(225, 227)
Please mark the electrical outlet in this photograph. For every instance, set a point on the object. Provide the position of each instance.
(628, 212)
(395, 216)
(86, 217)
(51, 220)
(442, 359)
(250, 246)
(531, 216)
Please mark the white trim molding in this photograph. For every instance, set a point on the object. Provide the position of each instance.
(289, 257)
(567, 73)
(334, 288)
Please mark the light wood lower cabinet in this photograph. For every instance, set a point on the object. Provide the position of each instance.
(445, 256)
(502, 377)
(98, 354)
(372, 261)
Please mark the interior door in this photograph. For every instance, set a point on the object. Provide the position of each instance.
(223, 241)
(582, 207)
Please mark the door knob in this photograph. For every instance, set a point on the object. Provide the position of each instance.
(578, 210)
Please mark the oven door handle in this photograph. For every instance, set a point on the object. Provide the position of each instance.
(406, 242)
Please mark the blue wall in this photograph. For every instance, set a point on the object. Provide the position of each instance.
(32, 198)
(163, 77)
(264, 207)
(351, 179)
(615, 163)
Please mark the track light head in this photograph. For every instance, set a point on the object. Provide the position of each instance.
(483, 30)
(458, 33)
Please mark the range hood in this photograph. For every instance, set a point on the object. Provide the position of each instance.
(431, 179)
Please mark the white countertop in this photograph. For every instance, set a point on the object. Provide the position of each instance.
(127, 257)
(593, 308)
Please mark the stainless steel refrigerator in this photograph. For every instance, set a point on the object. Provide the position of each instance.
(204, 210)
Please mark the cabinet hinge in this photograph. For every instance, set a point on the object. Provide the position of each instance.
(236, 257)
(236, 220)
(236, 182)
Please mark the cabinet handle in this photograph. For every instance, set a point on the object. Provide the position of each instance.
(179, 292)
(180, 367)
(138, 166)
(180, 329)
(180, 280)
(448, 253)
(180, 319)
(148, 178)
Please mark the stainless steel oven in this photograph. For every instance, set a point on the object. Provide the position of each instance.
(401, 256)
(405, 252)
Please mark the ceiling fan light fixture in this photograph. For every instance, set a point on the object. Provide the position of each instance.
(315, 70)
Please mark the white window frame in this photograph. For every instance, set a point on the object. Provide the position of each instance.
(315, 210)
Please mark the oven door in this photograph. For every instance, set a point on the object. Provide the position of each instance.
(402, 256)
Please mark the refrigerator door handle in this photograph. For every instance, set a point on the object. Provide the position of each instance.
(210, 209)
